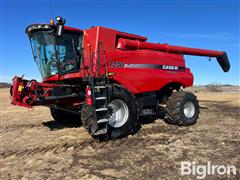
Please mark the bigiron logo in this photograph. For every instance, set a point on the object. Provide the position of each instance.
(200, 171)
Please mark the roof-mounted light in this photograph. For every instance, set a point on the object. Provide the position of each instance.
(51, 22)
(35, 27)
(60, 20)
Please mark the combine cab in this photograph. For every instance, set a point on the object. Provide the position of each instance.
(108, 79)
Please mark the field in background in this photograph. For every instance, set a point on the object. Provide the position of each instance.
(215, 88)
(34, 146)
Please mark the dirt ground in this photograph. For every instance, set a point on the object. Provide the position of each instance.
(33, 146)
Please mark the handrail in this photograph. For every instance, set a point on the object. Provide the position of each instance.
(100, 44)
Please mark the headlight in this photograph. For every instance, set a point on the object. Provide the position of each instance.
(34, 27)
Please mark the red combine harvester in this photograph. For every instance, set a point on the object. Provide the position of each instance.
(108, 79)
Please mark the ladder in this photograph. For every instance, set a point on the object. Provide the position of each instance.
(101, 97)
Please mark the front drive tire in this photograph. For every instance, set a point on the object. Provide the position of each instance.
(130, 125)
(182, 109)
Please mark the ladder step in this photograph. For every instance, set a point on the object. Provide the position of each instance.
(101, 131)
(99, 78)
(101, 98)
(100, 83)
(102, 120)
(102, 109)
(98, 87)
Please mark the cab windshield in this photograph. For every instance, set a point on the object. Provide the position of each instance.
(56, 55)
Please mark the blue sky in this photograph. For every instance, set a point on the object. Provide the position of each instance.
(203, 24)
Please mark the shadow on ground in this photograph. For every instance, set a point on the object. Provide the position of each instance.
(55, 125)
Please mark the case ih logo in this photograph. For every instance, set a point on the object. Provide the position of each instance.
(170, 67)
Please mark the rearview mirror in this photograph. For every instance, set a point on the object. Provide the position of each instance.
(60, 25)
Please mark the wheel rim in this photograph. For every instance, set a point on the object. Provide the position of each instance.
(189, 109)
(119, 114)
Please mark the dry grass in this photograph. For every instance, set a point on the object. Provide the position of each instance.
(35, 147)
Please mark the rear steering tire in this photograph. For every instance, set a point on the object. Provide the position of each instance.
(182, 109)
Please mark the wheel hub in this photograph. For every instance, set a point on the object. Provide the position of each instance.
(119, 114)
(189, 109)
